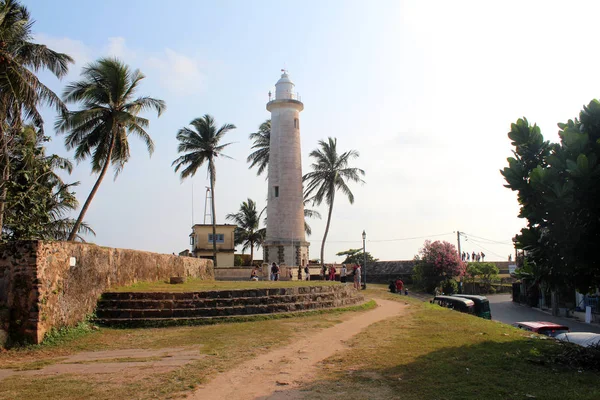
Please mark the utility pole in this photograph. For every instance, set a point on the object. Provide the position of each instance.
(458, 240)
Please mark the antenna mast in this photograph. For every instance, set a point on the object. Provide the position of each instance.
(207, 210)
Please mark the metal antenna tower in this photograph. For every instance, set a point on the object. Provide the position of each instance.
(207, 210)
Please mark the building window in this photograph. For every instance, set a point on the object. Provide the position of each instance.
(276, 191)
(296, 123)
(192, 240)
(220, 238)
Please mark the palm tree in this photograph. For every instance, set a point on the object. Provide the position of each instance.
(21, 92)
(330, 174)
(262, 140)
(109, 114)
(247, 232)
(201, 145)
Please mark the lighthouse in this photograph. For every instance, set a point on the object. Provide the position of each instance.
(285, 243)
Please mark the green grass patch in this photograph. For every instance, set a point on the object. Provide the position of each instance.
(198, 285)
(436, 353)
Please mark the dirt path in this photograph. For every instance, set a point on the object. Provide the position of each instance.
(266, 376)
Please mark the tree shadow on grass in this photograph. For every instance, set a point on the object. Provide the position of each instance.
(488, 370)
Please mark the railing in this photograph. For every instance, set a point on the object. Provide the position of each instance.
(285, 96)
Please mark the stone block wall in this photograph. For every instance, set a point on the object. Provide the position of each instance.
(41, 289)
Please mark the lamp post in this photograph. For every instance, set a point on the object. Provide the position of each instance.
(364, 236)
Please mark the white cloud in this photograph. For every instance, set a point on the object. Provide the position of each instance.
(178, 73)
(117, 48)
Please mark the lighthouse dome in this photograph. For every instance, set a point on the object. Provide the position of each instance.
(284, 88)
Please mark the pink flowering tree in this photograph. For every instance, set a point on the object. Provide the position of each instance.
(437, 262)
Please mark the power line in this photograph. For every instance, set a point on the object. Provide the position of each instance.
(483, 248)
(384, 240)
(488, 240)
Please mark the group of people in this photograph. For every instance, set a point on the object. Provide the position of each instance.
(475, 257)
(327, 273)
(397, 286)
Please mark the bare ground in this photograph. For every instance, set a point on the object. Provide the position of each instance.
(277, 375)
(115, 361)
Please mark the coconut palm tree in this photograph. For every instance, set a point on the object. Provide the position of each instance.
(109, 114)
(247, 232)
(262, 140)
(201, 145)
(21, 92)
(330, 174)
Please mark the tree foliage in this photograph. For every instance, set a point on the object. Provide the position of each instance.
(259, 158)
(330, 172)
(247, 233)
(558, 188)
(21, 92)
(109, 116)
(437, 262)
(38, 201)
(202, 145)
(356, 256)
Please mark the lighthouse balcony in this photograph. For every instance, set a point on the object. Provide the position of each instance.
(284, 96)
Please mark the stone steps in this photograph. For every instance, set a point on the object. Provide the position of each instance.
(202, 303)
(139, 309)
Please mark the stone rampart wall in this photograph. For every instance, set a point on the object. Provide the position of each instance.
(41, 289)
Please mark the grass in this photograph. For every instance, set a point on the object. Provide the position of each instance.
(430, 353)
(435, 353)
(198, 285)
(223, 345)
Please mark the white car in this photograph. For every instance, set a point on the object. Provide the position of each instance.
(585, 339)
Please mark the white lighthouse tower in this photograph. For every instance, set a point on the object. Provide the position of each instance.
(285, 242)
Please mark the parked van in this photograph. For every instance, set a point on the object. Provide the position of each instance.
(482, 305)
(456, 303)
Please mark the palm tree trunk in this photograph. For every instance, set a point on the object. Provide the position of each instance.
(214, 219)
(251, 253)
(94, 189)
(5, 177)
(327, 229)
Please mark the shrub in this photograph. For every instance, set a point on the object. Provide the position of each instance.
(450, 286)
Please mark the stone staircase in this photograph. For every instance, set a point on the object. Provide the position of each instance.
(166, 308)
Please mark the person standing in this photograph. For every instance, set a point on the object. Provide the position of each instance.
(307, 273)
(324, 272)
(399, 285)
(473, 257)
(299, 273)
(273, 270)
(357, 278)
(343, 274)
(332, 273)
(482, 256)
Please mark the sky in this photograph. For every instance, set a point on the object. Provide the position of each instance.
(425, 91)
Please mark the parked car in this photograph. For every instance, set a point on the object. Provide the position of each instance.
(542, 327)
(585, 339)
(482, 304)
(456, 303)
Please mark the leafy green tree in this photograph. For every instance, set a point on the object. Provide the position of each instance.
(202, 145)
(38, 201)
(109, 115)
(21, 92)
(488, 273)
(330, 174)
(472, 271)
(247, 233)
(558, 188)
(262, 140)
(356, 256)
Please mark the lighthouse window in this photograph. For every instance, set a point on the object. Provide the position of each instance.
(296, 123)
(276, 191)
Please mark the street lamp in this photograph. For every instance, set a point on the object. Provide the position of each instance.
(364, 235)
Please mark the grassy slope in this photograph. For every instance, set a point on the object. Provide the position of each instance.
(437, 353)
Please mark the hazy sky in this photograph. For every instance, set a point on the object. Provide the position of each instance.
(424, 90)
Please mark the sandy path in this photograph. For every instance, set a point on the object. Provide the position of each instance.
(268, 375)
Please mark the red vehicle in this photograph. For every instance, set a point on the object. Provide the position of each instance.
(542, 327)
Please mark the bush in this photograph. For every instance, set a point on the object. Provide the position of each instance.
(238, 260)
(450, 286)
